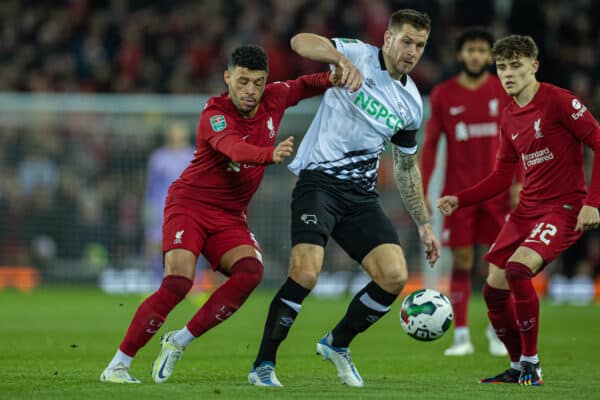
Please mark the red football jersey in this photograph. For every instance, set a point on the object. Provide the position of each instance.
(470, 121)
(215, 179)
(546, 137)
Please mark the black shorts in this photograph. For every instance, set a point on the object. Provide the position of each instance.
(324, 206)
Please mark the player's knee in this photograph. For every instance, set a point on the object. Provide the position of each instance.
(391, 279)
(249, 271)
(305, 277)
(177, 287)
(462, 263)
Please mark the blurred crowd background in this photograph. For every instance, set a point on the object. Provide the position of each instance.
(175, 46)
(72, 185)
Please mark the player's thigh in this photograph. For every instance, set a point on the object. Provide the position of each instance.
(183, 239)
(513, 233)
(386, 265)
(364, 229)
(225, 247)
(459, 228)
(315, 213)
(551, 234)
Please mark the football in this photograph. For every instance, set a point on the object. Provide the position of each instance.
(426, 314)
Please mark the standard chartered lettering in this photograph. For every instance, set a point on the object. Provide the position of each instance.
(536, 158)
(376, 109)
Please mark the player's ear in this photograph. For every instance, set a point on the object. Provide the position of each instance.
(535, 65)
(227, 77)
(387, 38)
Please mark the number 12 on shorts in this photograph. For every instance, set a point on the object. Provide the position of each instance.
(541, 232)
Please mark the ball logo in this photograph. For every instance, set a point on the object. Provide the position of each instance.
(576, 104)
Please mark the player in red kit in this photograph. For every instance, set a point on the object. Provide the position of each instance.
(466, 110)
(543, 129)
(205, 210)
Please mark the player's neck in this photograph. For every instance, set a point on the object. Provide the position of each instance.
(525, 96)
(472, 82)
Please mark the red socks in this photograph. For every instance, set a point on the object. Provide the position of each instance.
(460, 293)
(246, 274)
(527, 306)
(153, 311)
(501, 313)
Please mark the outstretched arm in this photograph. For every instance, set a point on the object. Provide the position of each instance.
(409, 184)
(495, 183)
(319, 48)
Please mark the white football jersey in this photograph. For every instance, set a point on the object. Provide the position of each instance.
(350, 130)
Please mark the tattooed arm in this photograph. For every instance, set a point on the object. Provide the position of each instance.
(408, 181)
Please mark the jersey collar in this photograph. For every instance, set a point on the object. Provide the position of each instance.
(382, 66)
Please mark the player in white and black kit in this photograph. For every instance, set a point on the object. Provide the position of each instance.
(335, 195)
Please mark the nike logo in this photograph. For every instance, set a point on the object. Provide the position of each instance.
(532, 241)
(514, 136)
(457, 110)
(162, 367)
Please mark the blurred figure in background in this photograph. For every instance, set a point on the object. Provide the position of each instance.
(466, 109)
(164, 166)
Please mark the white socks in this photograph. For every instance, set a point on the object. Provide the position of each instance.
(461, 334)
(122, 358)
(183, 336)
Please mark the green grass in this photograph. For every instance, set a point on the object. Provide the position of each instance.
(54, 344)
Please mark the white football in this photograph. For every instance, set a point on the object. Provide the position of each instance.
(426, 314)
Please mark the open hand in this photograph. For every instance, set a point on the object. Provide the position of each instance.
(432, 245)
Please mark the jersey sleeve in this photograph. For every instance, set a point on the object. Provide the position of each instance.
(578, 120)
(351, 48)
(433, 131)
(575, 116)
(292, 91)
(223, 135)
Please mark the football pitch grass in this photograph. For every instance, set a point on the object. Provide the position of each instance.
(55, 342)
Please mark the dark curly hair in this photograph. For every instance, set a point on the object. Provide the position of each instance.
(472, 34)
(249, 56)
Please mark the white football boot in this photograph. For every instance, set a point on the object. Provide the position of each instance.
(118, 374)
(340, 357)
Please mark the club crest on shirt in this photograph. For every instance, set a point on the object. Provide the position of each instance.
(218, 123)
(538, 129)
(271, 128)
(493, 106)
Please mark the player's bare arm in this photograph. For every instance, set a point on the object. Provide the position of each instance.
(408, 181)
(319, 48)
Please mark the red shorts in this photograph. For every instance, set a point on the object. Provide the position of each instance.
(201, 228)
(477, 224)
(548, 233)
